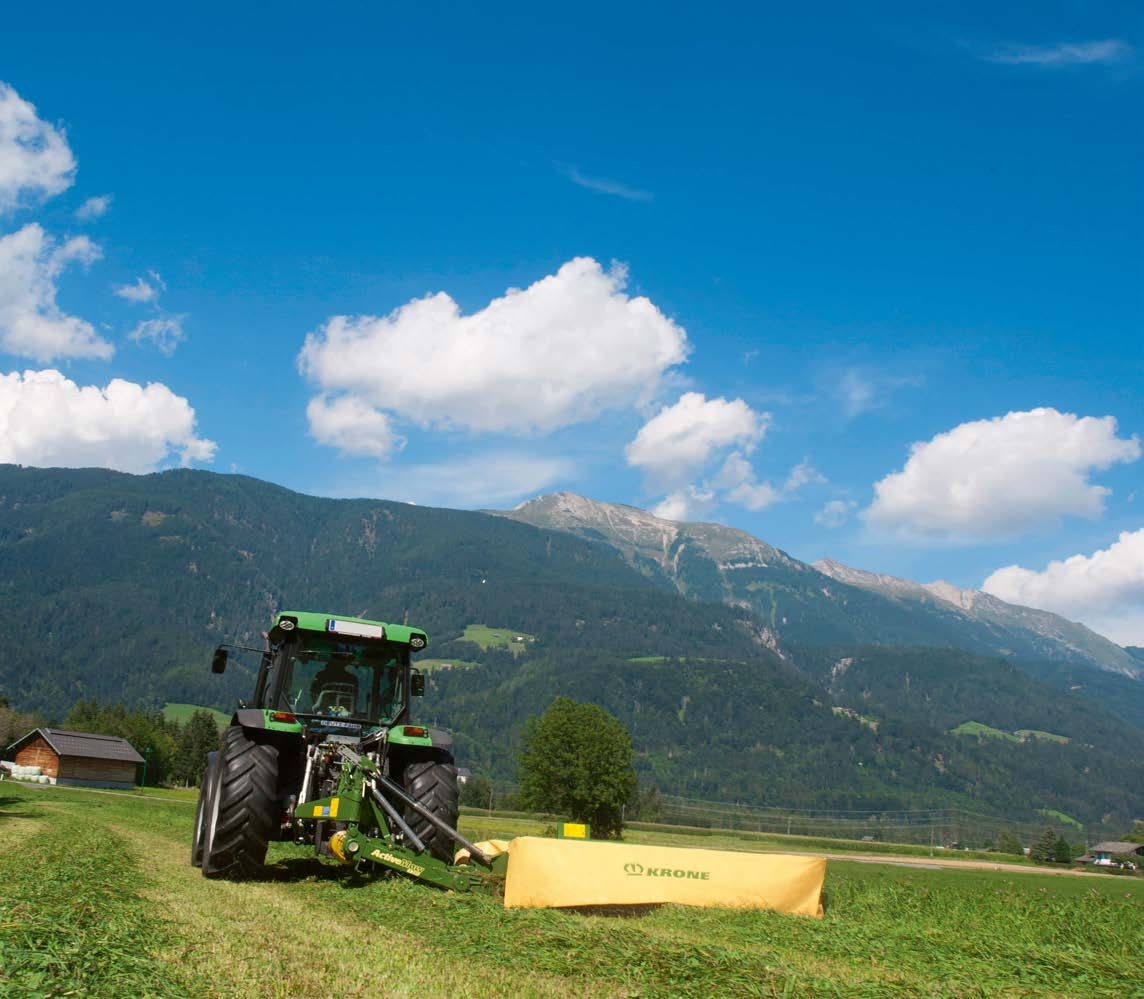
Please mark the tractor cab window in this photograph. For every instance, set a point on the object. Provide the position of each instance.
(342, 682)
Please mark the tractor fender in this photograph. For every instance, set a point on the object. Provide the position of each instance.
(270, 721)
(249, 718)
(441, 740)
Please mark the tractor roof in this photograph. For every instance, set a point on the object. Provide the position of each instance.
(335, 624)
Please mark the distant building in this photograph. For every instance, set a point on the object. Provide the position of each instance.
(1101, 855)
(78, 758)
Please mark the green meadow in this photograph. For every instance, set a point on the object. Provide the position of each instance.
(181, 713)
(490, 638)
(98, 898)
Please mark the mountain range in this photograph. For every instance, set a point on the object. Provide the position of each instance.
(826, 601)
(742, 673)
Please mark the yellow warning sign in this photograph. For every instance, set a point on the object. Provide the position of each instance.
(555, 873)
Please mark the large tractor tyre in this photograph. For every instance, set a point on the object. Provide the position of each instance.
(202, 809)
(434, 784)
(242, 808)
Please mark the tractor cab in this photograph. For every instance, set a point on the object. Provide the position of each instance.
(336, 677)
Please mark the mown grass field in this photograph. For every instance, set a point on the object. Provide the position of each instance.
(98, 898)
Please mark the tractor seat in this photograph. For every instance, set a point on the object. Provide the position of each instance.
(336, 698)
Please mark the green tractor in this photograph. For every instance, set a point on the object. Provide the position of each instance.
(326, 754)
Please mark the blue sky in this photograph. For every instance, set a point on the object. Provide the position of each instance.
(775, 249)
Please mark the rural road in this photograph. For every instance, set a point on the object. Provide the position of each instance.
(936, 863)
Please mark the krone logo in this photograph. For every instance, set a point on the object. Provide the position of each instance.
(633, 869)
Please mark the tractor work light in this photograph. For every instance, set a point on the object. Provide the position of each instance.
(355, 629)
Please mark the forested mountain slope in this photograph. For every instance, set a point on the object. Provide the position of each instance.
(757, 732)
(117, 586)
(120, 584)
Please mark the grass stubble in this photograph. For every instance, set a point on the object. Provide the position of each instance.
(97, 898)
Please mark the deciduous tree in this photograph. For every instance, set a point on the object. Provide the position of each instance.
(577, 761)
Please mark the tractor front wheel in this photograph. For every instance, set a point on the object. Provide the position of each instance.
(241, 809)
(434, 784)
(202, 808)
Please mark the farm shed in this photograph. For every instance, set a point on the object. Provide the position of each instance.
(81, 758)
(1102, 853)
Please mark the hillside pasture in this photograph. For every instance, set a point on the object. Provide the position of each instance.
(981, 730)
(429, 665)
(107, 904)
(491, 638)
(181, 713)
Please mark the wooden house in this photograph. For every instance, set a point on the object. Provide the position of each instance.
(81, 758)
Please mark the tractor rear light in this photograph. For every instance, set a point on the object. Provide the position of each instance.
(415, 730)
(284, 716)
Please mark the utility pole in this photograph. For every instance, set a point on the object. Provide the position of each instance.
(146, 758)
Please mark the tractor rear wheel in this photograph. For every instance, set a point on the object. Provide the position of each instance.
(434, 784)
(241, 808)
(201, 809)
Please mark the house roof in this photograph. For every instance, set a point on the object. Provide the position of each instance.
(1115, 847)
(86, 744)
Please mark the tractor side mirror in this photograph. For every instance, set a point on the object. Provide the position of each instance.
(417, 684)
(218, 661)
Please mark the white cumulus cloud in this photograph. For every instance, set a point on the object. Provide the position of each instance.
(688, 503)
(1104, 590)
(864, 389)
(834, 513)
(696, 452)
(165, 332)
(35, 159)
(142, 290)
(556, 353)
(737, 480)
(31, 322)
(48, 420)
(486, 479)
(803, 474)
(94, 208)
(681, 440)
(997, 478)
(352, 426)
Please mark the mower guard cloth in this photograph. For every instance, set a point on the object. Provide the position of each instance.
(555, 873)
